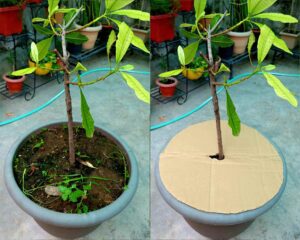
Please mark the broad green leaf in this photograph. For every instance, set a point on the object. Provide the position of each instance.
(280, 90)
(87, 119)
(127, 67)
(258, 6)
(136, 14)
(189, 34)
(251, 41)
(24, 71)
(124, 39)
(222, 41)
(34, 52)
(66, 10)
(79, 67)
(269, 67)
(113, 5)
(279, 43)
(76, 38)
(170, 73)
(185, 25)
(199, 6)
(111, 39)
(116, 22)
(181, 56)
(52, 6)
(190, 52)
(265, 42)
(43, 47)
(223, 68)
(38, 19)
(138, 88)
(139, 43)
(75, 195)
(42, 30)
(279, 17)
(233, 119)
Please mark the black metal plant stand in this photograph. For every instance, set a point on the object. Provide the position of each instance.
(279, 53)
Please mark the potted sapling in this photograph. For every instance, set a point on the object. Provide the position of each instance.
(167, 86)
(225, 171)
(69, 176)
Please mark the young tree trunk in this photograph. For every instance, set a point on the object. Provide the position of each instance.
(68, 101)
(214, 95)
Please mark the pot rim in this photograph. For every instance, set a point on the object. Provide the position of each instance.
(289, 34)
(89, 29)
(163, 16)
(167, 85)
(65, 219)
(7, 79)
(12, 8)
(239, 34)
(219, 219)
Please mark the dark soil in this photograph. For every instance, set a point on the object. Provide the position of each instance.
(14, 77)
(42, 161)
(167, 81)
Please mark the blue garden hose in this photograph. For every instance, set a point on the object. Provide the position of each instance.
(154, 127)
(59, 94)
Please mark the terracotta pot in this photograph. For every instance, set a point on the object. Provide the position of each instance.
(162, 27)
(193, 74)
(92, 34)
(167, 90)
(34, 1)
(14, 85)
(240, 41)
(142, 34)
(11, 20)
(290, 39)
(187, 5)
(41, 71)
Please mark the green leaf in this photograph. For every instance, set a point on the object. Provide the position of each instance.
(76, 38)
(43, 47)
(181, 56)
(170, 73)
(87, 119)
(199, 6)
(75, 195)
(279, 17)
(79, 67)
(42, 30)
(136, 14)
(87, 187)
(124, 39)
(265, 42)
(85, 208)
(190, 52)
(38, 19)
(52, 6)
(138, 88)
(185, 25)
(258, 6)
(269, 67)
(279, 43)
(139, 43)
(66, 10)
(34, 53)
(251, 41)
(189, 34)
(113, 5)
(223, 68)
(222, 41)
(111, 39)
(233, 119)
(24, 71)
(127, 67)
(280, 90)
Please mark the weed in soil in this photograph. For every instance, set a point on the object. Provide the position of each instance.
(45, 175)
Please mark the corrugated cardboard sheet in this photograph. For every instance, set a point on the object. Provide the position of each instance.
(249, 176)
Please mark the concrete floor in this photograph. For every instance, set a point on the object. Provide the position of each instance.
(114, 106)
(258, 107)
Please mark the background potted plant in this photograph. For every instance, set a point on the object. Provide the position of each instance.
(162, 22)
(91, 12)
(11, 16)
(74, 189)
(141, 29)
(218, 221)
(241, 33)
(45, 65)
(167, 86)
(292, 33)
(195, 69)
(186, 5)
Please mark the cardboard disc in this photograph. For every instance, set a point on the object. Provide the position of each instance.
(250, 175)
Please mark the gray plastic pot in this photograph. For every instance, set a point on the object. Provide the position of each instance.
(217, 225)
(70, 225)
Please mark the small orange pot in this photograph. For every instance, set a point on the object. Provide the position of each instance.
(14, 85)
